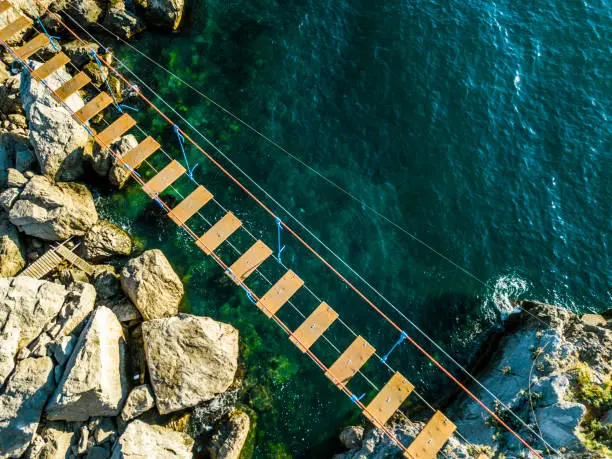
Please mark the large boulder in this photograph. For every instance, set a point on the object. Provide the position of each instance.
(11, 251)
(53, 211)
(143, 440)
(190, 359)
(58, 140)
(152, 285)
(94, 382)
(22, 403)
(229, 439)
(166, 14)
(105, 240)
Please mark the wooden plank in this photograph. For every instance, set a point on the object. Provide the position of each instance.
(188, 207)
(388, 400)
(77, 82)
(431, 439)
(249, 262)
(349, 363)
(4, 6)
(140, 152)
(39, 41)
(164, 178)
(51, 66)
(218, 233)
(115, 130)
(15, 27)
(314, 326)
(280, 293)
(94, 106)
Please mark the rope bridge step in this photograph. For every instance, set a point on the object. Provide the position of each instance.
(51, 66)
(4, 6)
(432, 438)
(248, 262)
(116, 129)
(313, 327)
(164, 178)
(73, 258)
(15, 27)
(39, 41)
(43, 266)
(349, 363)
(189, 206)
(140, 152)
(94, 106)
(218, 233)
(388, 400)
(280, 293)
(77, 82)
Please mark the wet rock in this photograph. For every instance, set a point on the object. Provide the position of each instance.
(58, 140)
(11, 250)
(8, 198)
(53, 211)
(351, 437)
(166, 14)
(139, 401)
(105, 240)
(22, 403)
(190, 359)
(53, 442)
(229, 439)
(152, 285)
(94, 383)
(118, 174)
(155, 440)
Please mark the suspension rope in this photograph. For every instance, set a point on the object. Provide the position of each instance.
(181, 141)
(432, 359)
(280, 249)
(42, 26)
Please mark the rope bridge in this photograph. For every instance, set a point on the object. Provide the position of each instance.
(387, 402)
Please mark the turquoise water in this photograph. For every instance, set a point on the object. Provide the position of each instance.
(481, 127)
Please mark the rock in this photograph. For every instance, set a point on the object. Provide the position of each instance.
(106, 282)
(53, 211)
(79, 302)
(104, 431)
(229, 439)
(22, 403)
(62, 348)
(97, 452)
(86, 12)
(14, 152)
(139, 401)
(18, 120)
(121, 21)
(351, 437)
(551, 389)
(9, 92)
(559, 424)
(8, 198)
(9, 340)
(105, 240)
(39, 345)
(94, 382)
(79, 53)
(165, 13)
(58, 140)
(190, 359)
(83, 438)
(118, 175)
(11, 251)
(123, 308)
(15, 179)
(140, 439)
(53, 442)
(152, 285)
(594, 319)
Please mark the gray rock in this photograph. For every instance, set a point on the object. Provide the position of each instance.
(227, 442)
(139, 401)
(11, 250)
(14, 152)
(86, 12)
(62, 348)
(9, 340)
(105, 240)
(53, 211)
(8, 198)
(122, 22)
(559, 424)
(79, 302)
(104, 432)
(165, 13)
(140, 439)
(123, 308)
(15, 179)
(106, 281)
(83, 439)
(551, 389)
(351, 437)
(22, 403)
(152, 285)
(78, 52)
(190, 359)
(97, 452)
(94, 383)
(53, 442)
(58, 140)
(119, 175)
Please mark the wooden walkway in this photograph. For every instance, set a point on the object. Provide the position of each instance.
(381, 408)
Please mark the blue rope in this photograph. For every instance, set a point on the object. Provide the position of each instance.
(130, 168)
(242, 286)
(355, 399)
(181, 141)
(280, 249)
(119, 106)
(402, 337)
(50, 37)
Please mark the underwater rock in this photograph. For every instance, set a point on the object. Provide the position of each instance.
(53, 211)
(351, 437)
(11, 250)
(164, 13)
(94, 383)
(140, 439)
(228, 441)
(139, 400)
(105, 240)
(152, 285)
(190, 359)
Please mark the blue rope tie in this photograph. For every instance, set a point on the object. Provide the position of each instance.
(280, 249)
(181, 141)
(130, 168)
(42, 26)
(402, 337)
(119, 106)
(355, 399)
(242, 286)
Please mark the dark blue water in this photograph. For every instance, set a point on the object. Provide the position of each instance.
(480, 127)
